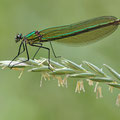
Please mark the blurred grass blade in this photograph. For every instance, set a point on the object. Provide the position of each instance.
(95, 68)
(16, 63)
(53, 63)
(40, 69)
(82, 75)
(62, 71)
(114, 85)
(30, 62)
(117, 75)
(56, 64)
(102, 79)
(73, 65)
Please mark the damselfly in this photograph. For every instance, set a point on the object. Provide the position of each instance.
(73, 34)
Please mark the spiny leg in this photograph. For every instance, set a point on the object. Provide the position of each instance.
(54, 51)
(46, 49)
(19, 52)
(37, 51)
(27, 56)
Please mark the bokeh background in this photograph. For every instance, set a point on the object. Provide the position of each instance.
(23, 99)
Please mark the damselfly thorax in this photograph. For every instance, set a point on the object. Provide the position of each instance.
(33, 37)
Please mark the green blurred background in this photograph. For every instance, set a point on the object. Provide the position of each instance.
(23, 99)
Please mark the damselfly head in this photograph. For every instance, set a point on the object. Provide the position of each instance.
(18, 37)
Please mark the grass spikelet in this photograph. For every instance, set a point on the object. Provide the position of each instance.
(67, 69)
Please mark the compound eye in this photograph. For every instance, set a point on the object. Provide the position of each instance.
(18, 37)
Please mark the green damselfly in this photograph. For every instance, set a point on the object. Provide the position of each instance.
(73, 34)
